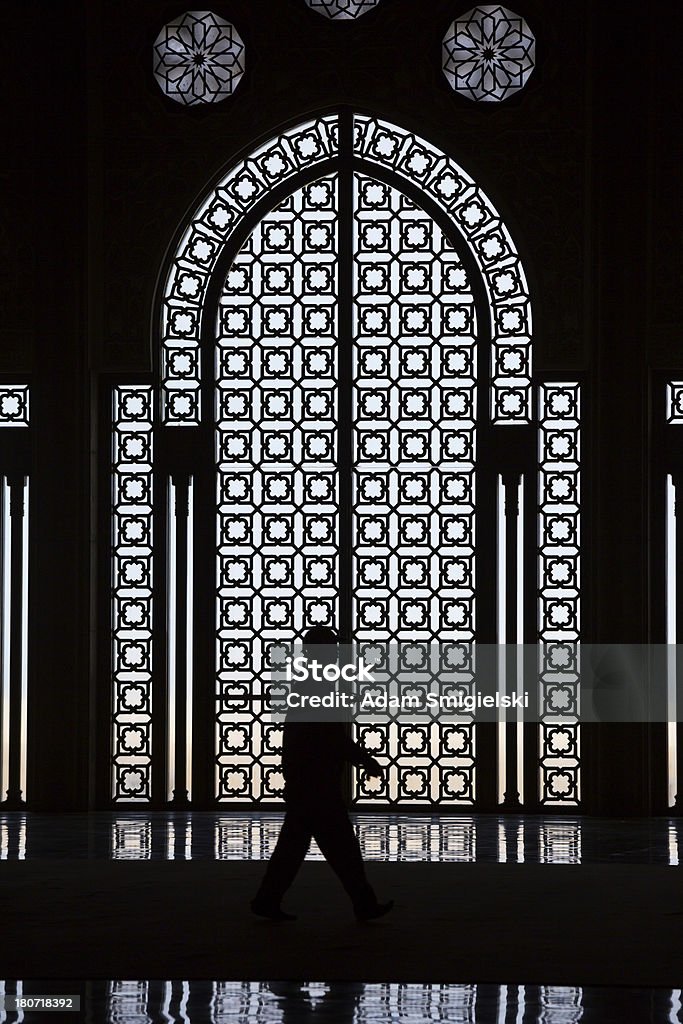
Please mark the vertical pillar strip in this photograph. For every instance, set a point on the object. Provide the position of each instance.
(17, 485)
(345, 297)
(519, 637)
(4, 637)
(670, 640)
(345, 395)
(181, 485)
(14, 468)
(511, 483)
(675, 730)
(501, 566)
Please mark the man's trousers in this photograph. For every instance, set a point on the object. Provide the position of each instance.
(326, 821)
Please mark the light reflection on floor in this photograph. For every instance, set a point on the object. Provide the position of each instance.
(383, 837)
(286, 1002)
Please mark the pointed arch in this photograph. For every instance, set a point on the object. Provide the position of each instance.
(472, 313)
(315, 144)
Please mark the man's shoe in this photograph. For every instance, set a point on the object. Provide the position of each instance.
(271, 911)
(373, 912)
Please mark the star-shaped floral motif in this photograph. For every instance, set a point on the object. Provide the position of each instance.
(342, 9)
(488, 53)
(198, 58)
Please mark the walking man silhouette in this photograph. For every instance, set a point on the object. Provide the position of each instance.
(313, 755)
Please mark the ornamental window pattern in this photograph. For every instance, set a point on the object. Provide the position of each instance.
(278, 524)
(413, 499)
(383, 145)
(251, 181)
(414, 424)
(488, 53)
(132, 591)
(14, 405)
(454, 192)
(341, 10)
(559, 589)
(198, 58)
(343, 370)
(674, 402)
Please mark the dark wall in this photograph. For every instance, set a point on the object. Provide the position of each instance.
(44, 339)
(101, 168)
(151, 157)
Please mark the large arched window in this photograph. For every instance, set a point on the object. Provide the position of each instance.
(344, 428)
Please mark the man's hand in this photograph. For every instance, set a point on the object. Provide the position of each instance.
(373, 767)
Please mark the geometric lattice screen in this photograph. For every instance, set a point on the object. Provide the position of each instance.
(559, 589)
(277, 478)
(132, 591)
(411, 486)
(413, 500)
(372, 320)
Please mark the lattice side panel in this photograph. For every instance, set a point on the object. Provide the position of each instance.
(559, 610)
(132, 593)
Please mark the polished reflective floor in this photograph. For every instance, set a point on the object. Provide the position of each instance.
(389, 837)
(284, 1002)
(383, 837)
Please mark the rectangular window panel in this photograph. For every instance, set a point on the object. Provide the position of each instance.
(559, 591)
(132, 593)
(414, 450)
(277, 487)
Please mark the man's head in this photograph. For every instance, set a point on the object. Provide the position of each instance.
(321, 643)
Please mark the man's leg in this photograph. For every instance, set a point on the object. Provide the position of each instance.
(334, 834)
(287, 857)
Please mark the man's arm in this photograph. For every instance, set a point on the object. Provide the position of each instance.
(358, 755)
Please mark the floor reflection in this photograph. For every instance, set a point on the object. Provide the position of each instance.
(289, 1002)
(383, 837)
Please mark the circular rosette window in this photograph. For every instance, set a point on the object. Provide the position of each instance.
(488, 53)
(198, 58)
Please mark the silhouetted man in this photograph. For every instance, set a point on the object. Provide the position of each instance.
(313, 756)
